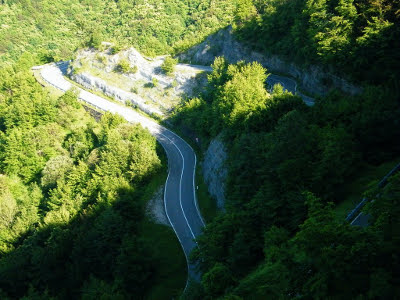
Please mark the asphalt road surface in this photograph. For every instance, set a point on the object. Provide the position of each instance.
(289, 85)
(361, 220)
(179, 195)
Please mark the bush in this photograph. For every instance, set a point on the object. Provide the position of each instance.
(100, 58)
(95, 40)
(155, 82)
(115, 49)
(124, 66)
(133, 70)
(168, 65)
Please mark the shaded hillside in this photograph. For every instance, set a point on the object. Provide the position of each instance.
(289, 167)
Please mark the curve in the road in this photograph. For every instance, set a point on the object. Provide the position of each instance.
(179, 194)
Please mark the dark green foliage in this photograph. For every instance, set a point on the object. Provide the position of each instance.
(276, 239)
(71, 207)
(95, 39)
(326, 258)
(217, 280)
(135, 267)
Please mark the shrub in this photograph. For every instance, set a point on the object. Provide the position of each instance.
(124, 66)
(168, 65)
(155, 82)
(134, 90)
(133, 70)
(95, 40)
(100, 58)
(115, 49)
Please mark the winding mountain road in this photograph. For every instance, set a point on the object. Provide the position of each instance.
(179, 194)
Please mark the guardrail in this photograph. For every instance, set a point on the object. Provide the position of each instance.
(355, 212)
(384, 181)
(79, 97)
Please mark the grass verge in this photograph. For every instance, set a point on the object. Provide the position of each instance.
(54, 92)
(207, 205)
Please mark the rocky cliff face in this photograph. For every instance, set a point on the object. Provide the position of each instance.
(312, 79)
(215, 171)
(90, 82)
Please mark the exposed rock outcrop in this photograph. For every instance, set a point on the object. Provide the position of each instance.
(155, 208)
(215, 171)
(144, 84)
(93, 83)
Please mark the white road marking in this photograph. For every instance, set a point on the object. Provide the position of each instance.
(180, 185)
(173, 227)
(194, 175)
(355, 219)
(68, 85)
(194, 192)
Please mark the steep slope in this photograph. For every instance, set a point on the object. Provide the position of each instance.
(72, 198)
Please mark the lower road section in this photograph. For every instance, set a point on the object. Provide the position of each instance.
(179, 195)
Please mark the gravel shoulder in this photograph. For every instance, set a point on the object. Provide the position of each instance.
(155, 208)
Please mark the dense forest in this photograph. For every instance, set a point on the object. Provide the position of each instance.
(54, 29)
(73, 189)
(288, 164)
(359, 38)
